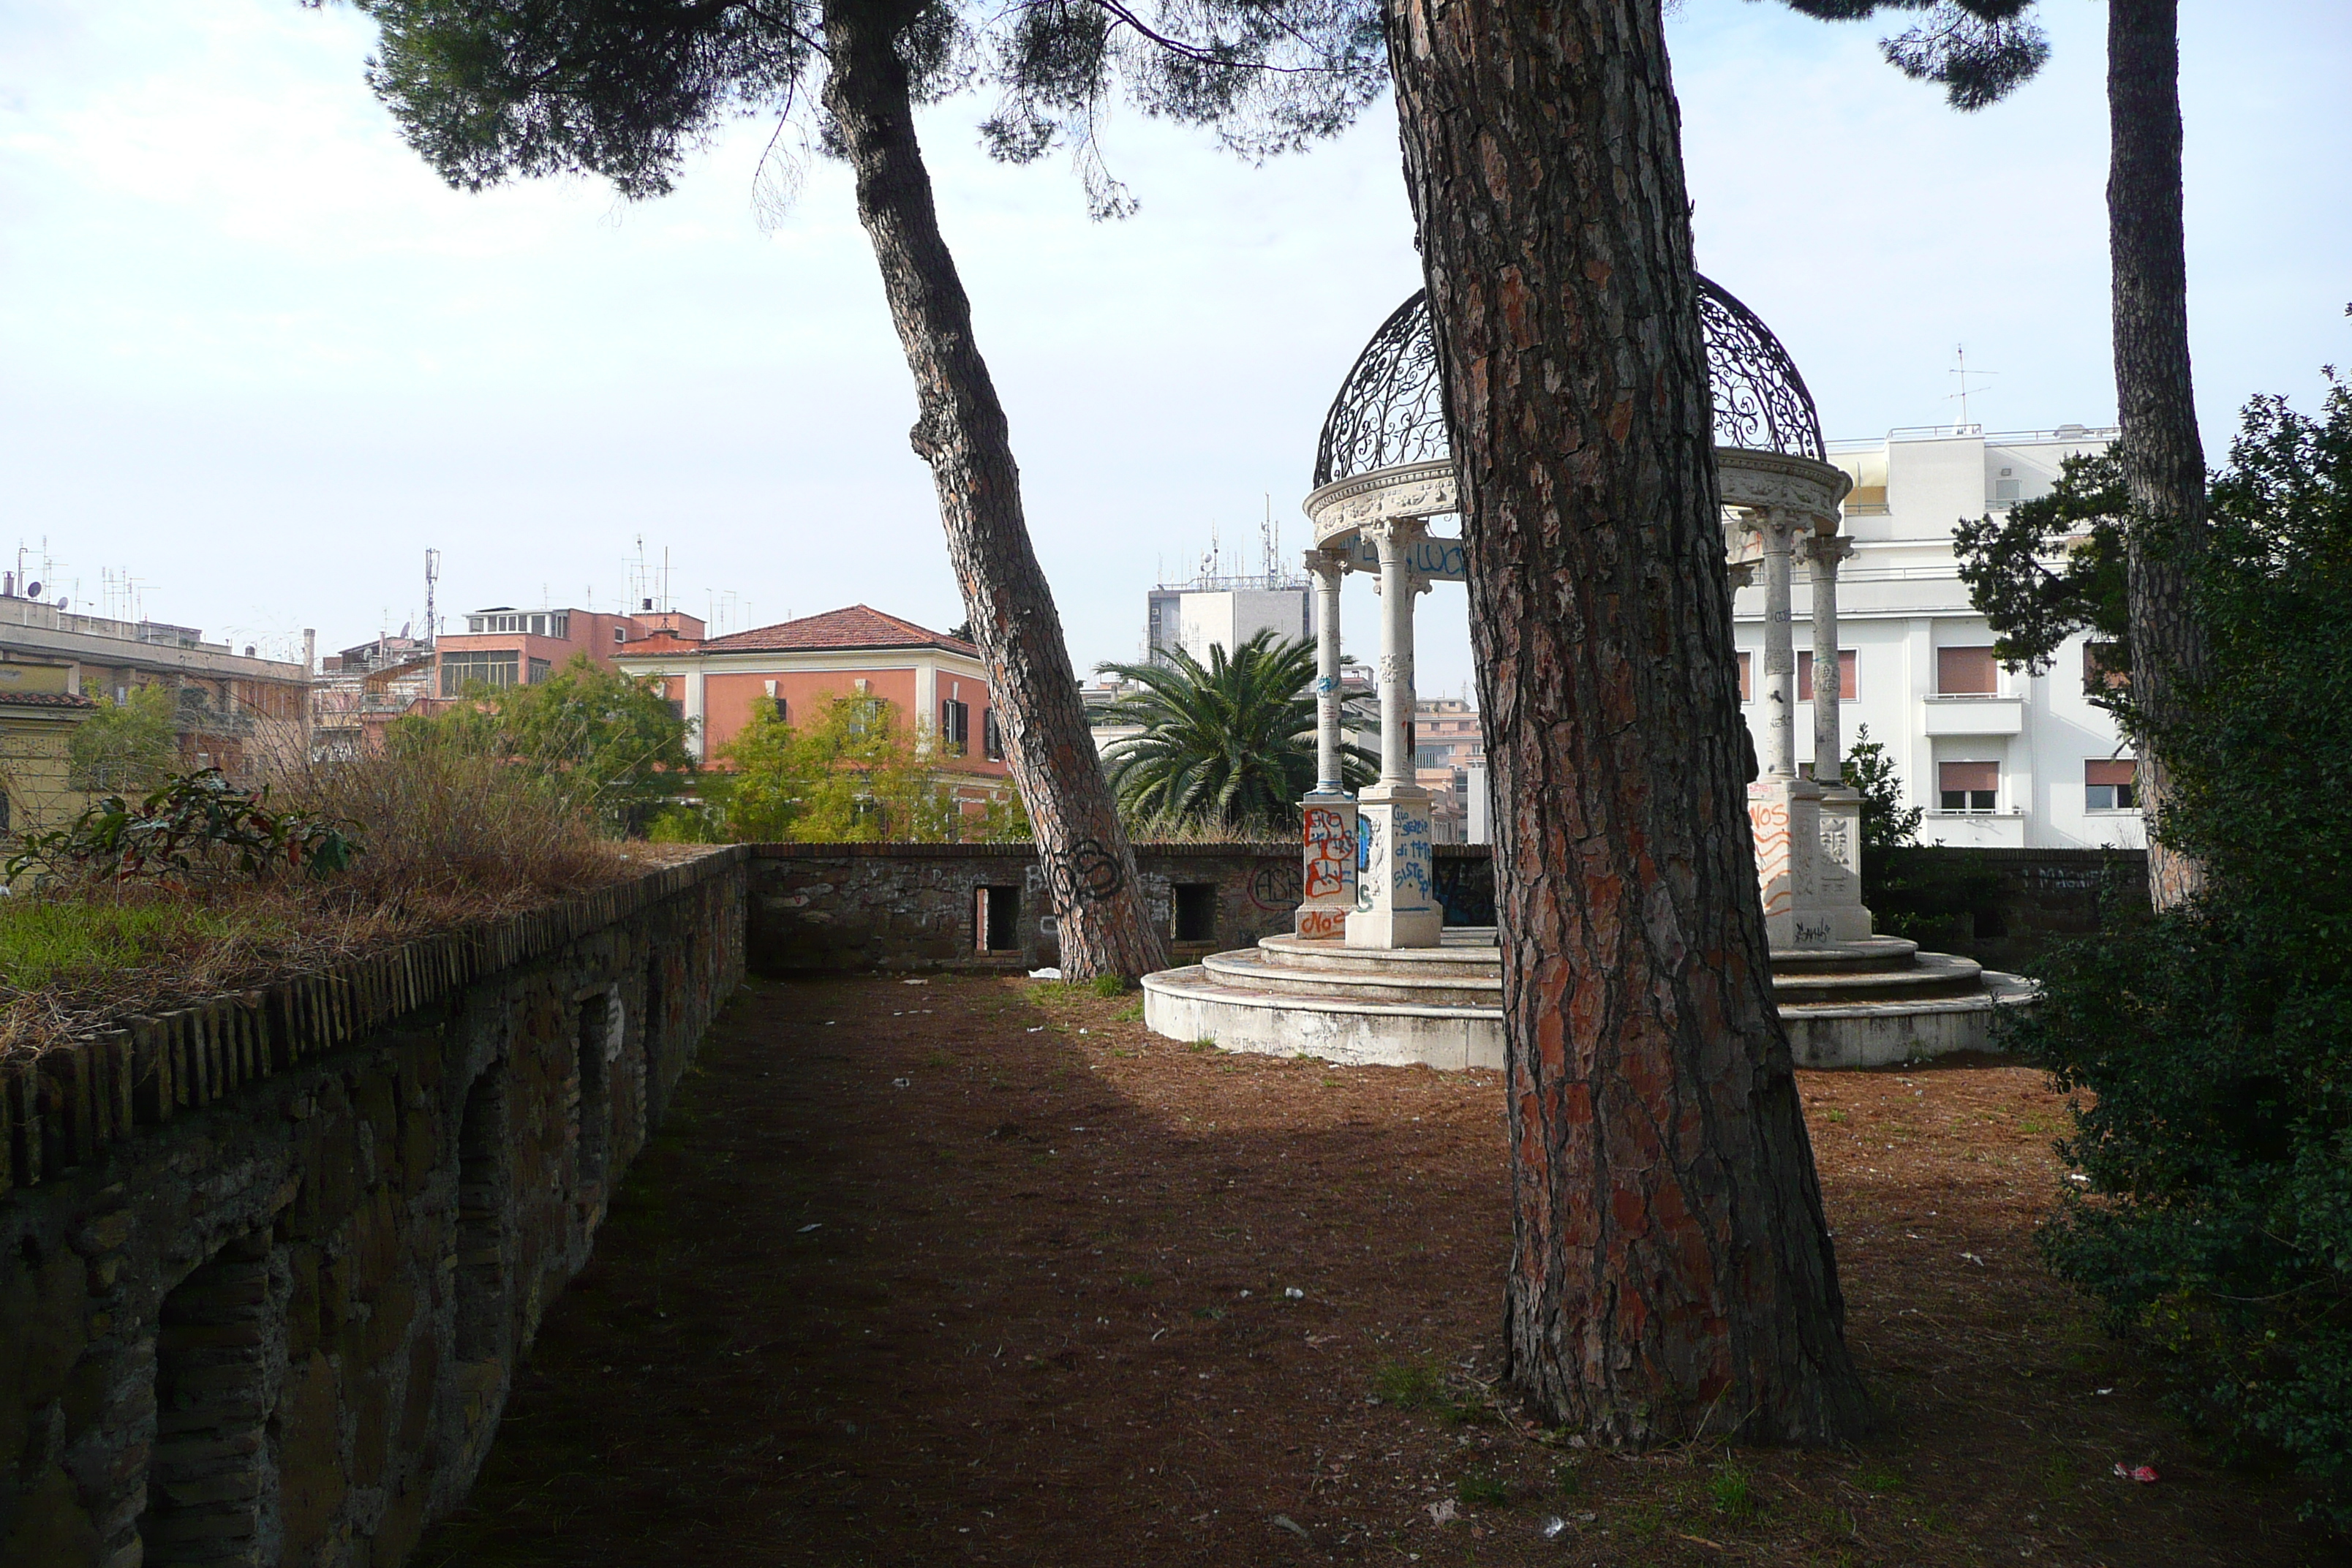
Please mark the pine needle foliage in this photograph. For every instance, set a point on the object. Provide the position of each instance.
(1226, 744)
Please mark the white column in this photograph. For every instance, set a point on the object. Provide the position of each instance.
(1779, 683)
(1330, 570)
(1822, 552)
(1396, 902)
(1327, 817)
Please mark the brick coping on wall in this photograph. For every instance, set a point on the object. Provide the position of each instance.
(894, 850)
(60, 1107)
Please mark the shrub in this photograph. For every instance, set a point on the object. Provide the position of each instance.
(198, 827)
(2217, 1223)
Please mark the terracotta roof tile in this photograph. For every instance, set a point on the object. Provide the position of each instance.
(44, 700)
(857, 626)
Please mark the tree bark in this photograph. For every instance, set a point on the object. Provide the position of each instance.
(2163, 461)
(1671, 1273)
(1103, 918)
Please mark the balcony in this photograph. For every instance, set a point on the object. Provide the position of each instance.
(1974, 829)
(1985, 715)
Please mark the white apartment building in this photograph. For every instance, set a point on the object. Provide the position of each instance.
(1995, 758)
(1216, 612)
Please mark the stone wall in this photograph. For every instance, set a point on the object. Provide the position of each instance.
(267, 1266)
(2004, 907)
(920, 906)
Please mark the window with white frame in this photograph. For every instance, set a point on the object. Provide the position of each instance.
(1968, 786)
(2110, 784)
(955, 727)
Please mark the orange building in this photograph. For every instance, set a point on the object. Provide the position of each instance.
(503, 647)
(796, 668)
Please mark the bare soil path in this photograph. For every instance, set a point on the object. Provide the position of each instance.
(975, 1271)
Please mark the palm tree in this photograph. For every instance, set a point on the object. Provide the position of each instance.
(1230, 745)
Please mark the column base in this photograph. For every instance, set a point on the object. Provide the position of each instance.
(1327, 880)
(1837, 866)
(1396, 899)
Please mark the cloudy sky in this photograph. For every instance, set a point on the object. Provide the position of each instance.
(254, 357)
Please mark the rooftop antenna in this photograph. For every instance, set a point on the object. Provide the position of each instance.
(1961, 352)
(1269, 541)
(432, 576)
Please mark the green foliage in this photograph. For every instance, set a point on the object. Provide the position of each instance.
(626, 89)
(2217, 1133)
(1476, 1489)
(2053, 567)
(128, 745)
(857, 775)
(198, 826)
(1229, 745)
(593, 736)
(1886, 822)
(1978, 51)
(47, 941)
(1732, 1489)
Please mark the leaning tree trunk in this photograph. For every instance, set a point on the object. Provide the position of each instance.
(2163, 460)
(1105, 921)
(1671, 1273)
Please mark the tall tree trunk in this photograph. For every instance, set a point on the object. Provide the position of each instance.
(1671, 1273)
(1104, 918)
(2163, 460)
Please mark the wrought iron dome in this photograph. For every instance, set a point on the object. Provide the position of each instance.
(1388, 412)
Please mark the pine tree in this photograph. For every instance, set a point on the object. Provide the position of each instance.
(488, 90)
(1978, 50)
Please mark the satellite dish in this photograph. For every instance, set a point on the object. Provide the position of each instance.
(32, 590)
(404, 628)
(61, 603)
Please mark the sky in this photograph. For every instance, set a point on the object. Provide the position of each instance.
(256, 358)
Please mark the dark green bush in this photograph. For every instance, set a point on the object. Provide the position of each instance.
(2215, 1040)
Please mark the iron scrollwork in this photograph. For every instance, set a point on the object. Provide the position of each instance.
(1390, 409)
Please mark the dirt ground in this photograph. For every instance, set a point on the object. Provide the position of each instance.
(977, 1270)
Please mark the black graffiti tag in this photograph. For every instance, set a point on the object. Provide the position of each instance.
(1086, 873)
(1277, 886)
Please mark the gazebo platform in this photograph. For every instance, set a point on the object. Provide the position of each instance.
(1873, 1003)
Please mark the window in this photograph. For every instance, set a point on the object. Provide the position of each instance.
(1196, 911)
(992, 737)
(868, 715)
(460, 670)
(2102, 667)
(1845, 676)
(1965, 673)
(539, 668)
(2109, 784)
(1968, 786)
(620, 634)
(955, 727)
(1746, 681)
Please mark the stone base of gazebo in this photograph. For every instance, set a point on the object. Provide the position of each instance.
(1875, 1002)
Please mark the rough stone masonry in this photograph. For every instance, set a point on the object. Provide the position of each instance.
(267, 1266)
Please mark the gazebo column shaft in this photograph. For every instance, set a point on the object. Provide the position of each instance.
(1396, 904)
(1327, 817)
(1780, 647)
(1822, 554)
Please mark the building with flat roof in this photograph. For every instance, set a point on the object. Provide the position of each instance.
(502, 646)
(232, 710)
(1994, 757)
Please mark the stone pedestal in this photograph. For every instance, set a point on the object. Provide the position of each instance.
(1327, 886)
(1837, 865)
(1396, 897)
(1785, 815)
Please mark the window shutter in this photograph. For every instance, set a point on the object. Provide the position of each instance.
(1967, 776)
(2101, 771)
(1965, 672)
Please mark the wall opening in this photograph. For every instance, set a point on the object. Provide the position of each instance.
(1196, 911)
(481, 1218)
(996, 919)
(209, 1474)
(600, 1042)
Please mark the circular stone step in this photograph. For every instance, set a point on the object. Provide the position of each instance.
(1254, 969)
(1929, 974)
(1846, 957)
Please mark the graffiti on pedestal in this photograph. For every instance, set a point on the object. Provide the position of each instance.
(1371, 858)
(1410, 854)
(1322, 920)
(1329, 850)
(1770, 822)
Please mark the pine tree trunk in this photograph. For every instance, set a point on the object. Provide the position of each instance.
(2163, 460)
(1671, 1273)
(1105, 921)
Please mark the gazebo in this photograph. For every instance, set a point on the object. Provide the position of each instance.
(1371, 972)
(1384, 472)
